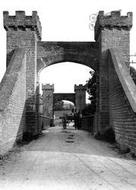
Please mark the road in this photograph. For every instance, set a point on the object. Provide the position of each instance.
(67, 160)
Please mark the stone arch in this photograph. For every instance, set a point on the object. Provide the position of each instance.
(49, 53)
(64, 96)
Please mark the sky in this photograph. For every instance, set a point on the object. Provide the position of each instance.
(65, 75)
(65, 20)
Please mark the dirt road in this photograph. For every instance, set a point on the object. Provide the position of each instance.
(67, 160)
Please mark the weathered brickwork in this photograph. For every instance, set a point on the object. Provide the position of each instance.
(111, 32)
(24, 31)
(122, 116)
(12, 104)
(85, 53)
(20, 30)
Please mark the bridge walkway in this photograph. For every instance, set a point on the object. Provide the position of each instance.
(67, 160)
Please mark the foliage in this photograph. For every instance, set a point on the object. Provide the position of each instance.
(91, 89)
(133, 73)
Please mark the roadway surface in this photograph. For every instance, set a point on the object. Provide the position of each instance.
(67, 160)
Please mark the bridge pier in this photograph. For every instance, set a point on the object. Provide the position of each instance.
(24, 32)
(110, 32)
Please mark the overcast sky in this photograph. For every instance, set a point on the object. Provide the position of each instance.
(64, 20)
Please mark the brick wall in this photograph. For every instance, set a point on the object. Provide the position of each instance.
(122, 103)
(12, 104)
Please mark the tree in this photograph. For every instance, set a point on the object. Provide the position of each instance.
(133, 73)
(91, 89)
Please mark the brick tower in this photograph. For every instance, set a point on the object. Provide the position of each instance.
(80, 97)
(24, 32)
(111, 31)
(48, 102)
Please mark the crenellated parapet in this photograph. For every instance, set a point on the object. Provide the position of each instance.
(48, 87)
(22, 22)
(79, 87)
(114, 20)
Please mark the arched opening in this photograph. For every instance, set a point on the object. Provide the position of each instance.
(61, 79)
(61, 108)
(54, 54)
(64, 75)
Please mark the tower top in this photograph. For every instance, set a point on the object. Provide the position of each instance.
(48, 87)
(22, 22)
(79, 87)
(114, 20)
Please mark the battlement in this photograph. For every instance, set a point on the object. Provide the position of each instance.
(79, 87)
(22, 22)
(48, 87)
(114, 20)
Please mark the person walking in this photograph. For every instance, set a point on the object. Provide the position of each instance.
(64, 122)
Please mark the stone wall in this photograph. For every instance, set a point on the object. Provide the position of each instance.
(122, 102)
(12, 104)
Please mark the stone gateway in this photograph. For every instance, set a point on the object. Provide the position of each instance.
(27, 55)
